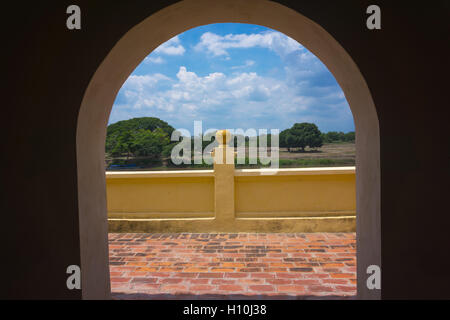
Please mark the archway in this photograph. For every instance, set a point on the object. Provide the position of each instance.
(160, 27)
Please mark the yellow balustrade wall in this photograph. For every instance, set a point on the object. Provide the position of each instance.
(229, 200)
(296, 193)
(163, 195)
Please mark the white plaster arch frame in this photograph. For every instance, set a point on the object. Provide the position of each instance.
(142, 39)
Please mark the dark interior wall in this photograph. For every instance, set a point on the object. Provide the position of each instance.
(406, 66)
(48, 68)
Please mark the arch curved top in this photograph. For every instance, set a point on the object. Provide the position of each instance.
(140, 41)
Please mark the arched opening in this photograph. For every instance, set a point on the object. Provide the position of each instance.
(148, 35)
(288, 234)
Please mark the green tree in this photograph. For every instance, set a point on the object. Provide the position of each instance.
(283, 140)
(146, 123)
(139, 136)
(148, 143)
(302, 135)
(349, 136)
(120, 144)
(334, 136)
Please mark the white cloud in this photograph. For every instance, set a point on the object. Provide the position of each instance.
(276, 41)
(172, 47)
(243, 99)
(156, 60)
(139, 83)
(247, 98)
(248, 63)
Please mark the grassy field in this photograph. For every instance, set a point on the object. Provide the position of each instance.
(329, 155)
(333, 154)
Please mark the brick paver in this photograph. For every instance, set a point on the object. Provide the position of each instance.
(235, 266)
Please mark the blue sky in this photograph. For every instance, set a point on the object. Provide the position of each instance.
(233, 76)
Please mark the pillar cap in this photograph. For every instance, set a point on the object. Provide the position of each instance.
(223, 137)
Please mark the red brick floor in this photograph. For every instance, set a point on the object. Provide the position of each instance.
(233, 266)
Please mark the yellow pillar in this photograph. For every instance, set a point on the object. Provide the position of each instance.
(223, 157)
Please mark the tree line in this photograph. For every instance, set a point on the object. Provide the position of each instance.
(302, 135)
(150, 137)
